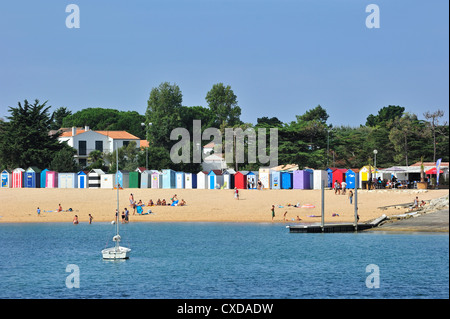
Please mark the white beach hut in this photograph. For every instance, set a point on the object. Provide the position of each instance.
(107, 181)
(318, 177)
(67, 180)
(94, 177)
(202, 180)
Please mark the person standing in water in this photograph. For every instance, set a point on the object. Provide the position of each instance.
(90, 219)
(75, 220)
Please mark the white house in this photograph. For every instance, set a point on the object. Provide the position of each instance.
(85, 141)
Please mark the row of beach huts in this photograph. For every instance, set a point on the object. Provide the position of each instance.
(167, 178)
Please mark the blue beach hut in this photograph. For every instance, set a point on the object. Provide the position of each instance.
(215, 179)
(168, 178)
(43, 177)
(275, 180)
(330, 177)
(286, 180)
(32, 177)
(6, 179)
(350, 178)
(82, 179)
(122, 178)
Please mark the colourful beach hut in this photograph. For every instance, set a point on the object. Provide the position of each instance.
(215, 179)
(286, 180)
(43, 177)
(364, 175)
(202, 180)
(339, 175)
(228, 178)
(32, 177)
(122, 178)
(275, 180)
(252, 180)
(190, 180)
(179, 180)
(301, 179)
(82, 179)
(17, 177)
(51, 180)
(240, 179)
(350, 179)
(330, 177)
(6, 179)
(94, 178)
(168, 178)
(319, 176)
(156, 179)
(264, 177)
(67, 180)
(134, 179)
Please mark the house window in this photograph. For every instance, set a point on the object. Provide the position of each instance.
(99, 146)
(125, 143)
(82, 148)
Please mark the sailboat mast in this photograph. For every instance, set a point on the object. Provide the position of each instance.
(117, 186)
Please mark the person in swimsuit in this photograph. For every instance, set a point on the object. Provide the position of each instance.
(75, 220)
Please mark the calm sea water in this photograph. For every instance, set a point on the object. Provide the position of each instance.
(215, 260)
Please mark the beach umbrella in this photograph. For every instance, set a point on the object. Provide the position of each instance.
(433, 171)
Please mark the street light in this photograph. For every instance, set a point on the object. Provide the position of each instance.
(375, 159)
(146, 149)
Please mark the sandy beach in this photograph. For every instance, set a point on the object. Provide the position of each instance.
(19, 205)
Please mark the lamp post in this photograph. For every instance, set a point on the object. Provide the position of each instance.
(375, 158)
(146, 149)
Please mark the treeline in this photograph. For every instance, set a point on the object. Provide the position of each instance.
(308, 140)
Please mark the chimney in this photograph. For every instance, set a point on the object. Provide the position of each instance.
(86, 128)
(74, 131)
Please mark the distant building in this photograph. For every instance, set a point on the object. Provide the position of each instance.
(85, 141)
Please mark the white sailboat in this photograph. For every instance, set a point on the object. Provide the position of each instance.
(116, 252)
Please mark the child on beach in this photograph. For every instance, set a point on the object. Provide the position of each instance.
(350, 196)
(90, 219)
(59, 208)
(273, 211)
(236, 193)
(38, 212)
(75, 220)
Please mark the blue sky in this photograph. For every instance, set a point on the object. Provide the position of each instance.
(280, 57)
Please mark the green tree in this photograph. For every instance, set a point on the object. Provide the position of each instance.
(403, 130)
(63, 160)
(223, 103)
(385, 115)
(163, 112)
(58, 117)
(25, 139)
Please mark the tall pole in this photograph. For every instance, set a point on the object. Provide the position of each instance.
(356, 201)
(323, 204)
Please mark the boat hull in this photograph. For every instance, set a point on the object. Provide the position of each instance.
(116, 253)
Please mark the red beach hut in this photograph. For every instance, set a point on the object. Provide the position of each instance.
(339, 175)
(18, 177)
(240, 180)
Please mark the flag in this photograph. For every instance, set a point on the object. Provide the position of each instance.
(438, 164)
